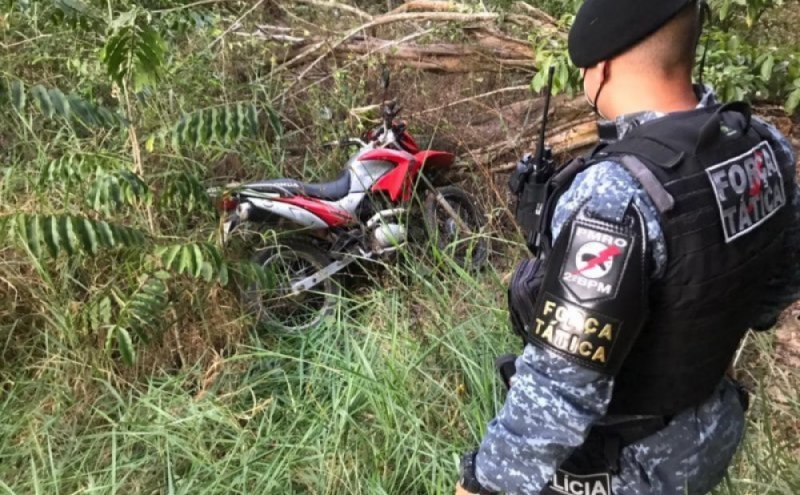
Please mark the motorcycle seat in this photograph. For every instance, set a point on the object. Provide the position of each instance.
(330, 191)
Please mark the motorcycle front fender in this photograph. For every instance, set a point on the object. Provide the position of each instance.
(229, 225)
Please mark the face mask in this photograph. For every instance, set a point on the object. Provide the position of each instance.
(591, 103)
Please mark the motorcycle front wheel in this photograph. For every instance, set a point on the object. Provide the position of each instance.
(456, 225)
(270, 297)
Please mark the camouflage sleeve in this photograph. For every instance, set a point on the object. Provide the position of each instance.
(553, 403)
(784, 289)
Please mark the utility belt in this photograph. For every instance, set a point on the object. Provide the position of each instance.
(589, 468)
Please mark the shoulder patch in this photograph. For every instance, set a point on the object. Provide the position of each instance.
(749, 190)
(595, 261)
(582, 335)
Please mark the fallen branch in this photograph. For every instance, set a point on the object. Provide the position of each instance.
(329, 4)
(395, 18)
(489, 52)
(539, 14)
(476, 97)
(430, 6)
(441, 57)
(576, 137)
(236, 24)
(492, 38)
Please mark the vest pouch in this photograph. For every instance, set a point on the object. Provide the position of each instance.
(522, 293)
(530, 205)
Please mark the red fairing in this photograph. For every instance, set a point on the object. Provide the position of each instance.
(435, 158)
(399, 181)
(408, 142)
(330, 214)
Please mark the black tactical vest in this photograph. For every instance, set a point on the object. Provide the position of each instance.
(724, 202)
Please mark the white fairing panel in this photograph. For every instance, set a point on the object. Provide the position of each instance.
(295, 214)
(366, 173)
(350, 202)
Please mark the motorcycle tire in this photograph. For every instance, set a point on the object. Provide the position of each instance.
(285, 263)
(468, 251)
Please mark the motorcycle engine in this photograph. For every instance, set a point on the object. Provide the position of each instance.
(389, 235)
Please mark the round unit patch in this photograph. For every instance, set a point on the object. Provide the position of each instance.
(595, 262)
(595, 259)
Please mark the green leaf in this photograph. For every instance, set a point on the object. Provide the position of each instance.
(198, 260)
(43, 98)
(252, 119)
(125, 344)
(766, 68)
(87, 235)
(185, 264)
(105, 234)
(168, 255)
(206, 271)
(51, 237)
(18, 95)
(67, 233)
(793, 102)
(32, 228)
(60, 103)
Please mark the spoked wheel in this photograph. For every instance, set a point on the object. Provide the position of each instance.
(271, 298)
(468, 248)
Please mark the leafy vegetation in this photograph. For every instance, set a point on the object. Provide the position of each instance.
(738, 65)
(126, 364)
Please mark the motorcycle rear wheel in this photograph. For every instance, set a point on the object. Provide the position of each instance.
(469, 251)
(270, 299)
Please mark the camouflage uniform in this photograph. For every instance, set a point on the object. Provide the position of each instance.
(553, 403)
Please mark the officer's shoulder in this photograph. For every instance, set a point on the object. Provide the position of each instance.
(606, 189)
(776, 135)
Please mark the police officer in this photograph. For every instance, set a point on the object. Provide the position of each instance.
(659, 250)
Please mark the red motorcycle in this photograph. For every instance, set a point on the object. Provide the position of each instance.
(389, 195)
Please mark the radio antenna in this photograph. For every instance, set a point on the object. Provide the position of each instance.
(540, 151)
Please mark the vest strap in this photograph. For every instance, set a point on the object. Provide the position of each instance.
(657, 192)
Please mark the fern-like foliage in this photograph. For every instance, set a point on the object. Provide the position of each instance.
(76, 168)
(53, 103)
(109, 185)
(138, 313)
(97, 313)
(199, 260)
(133, 50)
(111, 190)
(185, 191)
(76, 13)
(219, 125)
(57, 234)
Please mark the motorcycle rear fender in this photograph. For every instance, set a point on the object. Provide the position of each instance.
(435, 159)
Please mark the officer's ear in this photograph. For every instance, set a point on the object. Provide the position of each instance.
(594, 78)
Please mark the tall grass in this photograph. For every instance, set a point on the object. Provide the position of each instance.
(382, 399)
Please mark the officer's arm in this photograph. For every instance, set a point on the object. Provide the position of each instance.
(558, 394)
(784, 288)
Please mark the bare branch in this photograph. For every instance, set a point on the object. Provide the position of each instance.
(236, 23)
(329, 4)
(476, 97)
(430, 6)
